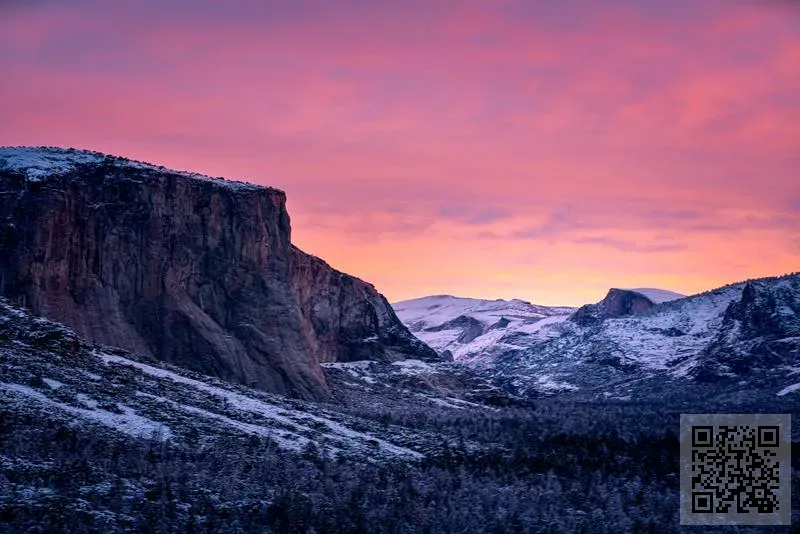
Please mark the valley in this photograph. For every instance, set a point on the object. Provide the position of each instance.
(171, 361)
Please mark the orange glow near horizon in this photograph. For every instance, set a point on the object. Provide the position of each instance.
(486, 148)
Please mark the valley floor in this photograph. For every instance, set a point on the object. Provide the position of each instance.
(99, 440)
(552, 468)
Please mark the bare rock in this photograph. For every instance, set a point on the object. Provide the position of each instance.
(191, 270)
(617, 303)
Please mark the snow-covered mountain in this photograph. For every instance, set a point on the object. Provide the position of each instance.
(634, 343)
(473, 329)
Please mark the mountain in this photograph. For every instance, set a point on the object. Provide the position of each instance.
(183, 268)
(472, 329)
(622, 302)
(389, 437)
(739, 340)
(617, 303)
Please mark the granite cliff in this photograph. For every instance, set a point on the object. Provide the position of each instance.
(617, 303)
(195, 271)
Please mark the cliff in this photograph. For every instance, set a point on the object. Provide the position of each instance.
(196, 271)
(617, 303)
(759, 331)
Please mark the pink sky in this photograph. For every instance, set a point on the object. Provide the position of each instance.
(544, 150)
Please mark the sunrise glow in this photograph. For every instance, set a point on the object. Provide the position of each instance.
(499, 149)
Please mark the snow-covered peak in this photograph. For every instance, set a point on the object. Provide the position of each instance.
(657, 295)
(426, 312)
(470, 328)
(38, 163)
(678, 338)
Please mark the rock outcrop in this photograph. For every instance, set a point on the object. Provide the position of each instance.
(346, 319)
(617, 303)
(760, 331)
(192, 270)
(469, 326)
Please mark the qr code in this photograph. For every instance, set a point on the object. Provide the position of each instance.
(735, 469)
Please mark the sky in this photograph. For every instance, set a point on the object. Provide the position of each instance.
(545, 150)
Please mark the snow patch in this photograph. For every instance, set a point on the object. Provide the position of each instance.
(789, 389)
(548, 383)
(127, 422)
(284, 440)
(54, 384)
(359, 369)
(87, 400)
(414, 367)
(657, 295)
(38, 163)
(533, 328)
(359, 364)
(269, 411)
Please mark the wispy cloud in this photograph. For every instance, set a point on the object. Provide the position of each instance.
(629, 246)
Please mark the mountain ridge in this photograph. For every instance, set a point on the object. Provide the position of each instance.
(605, 349)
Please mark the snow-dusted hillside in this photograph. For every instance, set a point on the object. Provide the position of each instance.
(747, 332)
(46, 368)
(474, 329)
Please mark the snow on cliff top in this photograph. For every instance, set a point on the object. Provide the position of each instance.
(657, 295)
(37, 163)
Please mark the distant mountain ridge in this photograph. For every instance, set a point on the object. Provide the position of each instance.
(628, 346)
(451, 324)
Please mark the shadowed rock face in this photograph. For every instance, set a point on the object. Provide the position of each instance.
(346, 319)
(617, 303)
(759, 331)
(194, 271)
(470, 328)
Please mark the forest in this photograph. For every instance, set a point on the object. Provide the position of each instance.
(550, 467)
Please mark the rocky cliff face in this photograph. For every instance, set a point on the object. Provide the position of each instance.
(196, 271)
(760, 331)
(345, 319)
(617, 303)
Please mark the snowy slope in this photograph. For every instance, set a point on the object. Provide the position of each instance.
(472, 329)
(434, 310)
(46, 368)
(736, 332)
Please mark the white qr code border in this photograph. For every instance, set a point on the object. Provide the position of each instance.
(757, 447)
